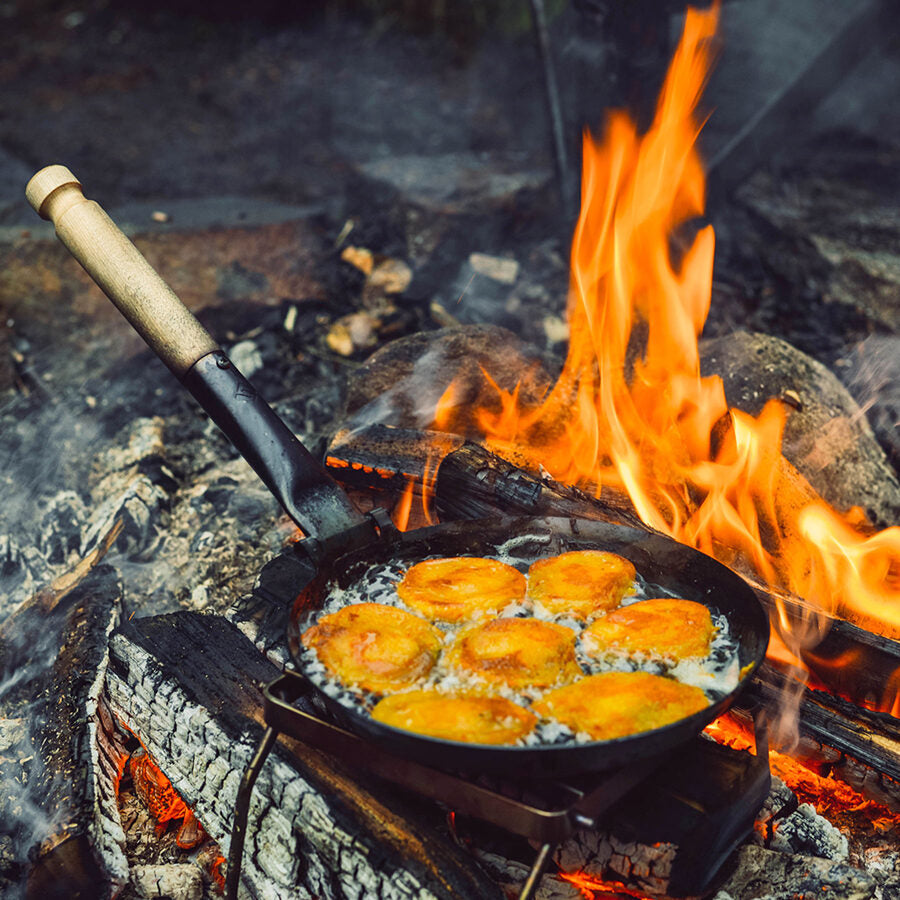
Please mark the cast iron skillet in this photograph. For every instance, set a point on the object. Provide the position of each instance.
(343, 544)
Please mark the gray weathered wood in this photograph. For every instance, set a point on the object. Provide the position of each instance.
(189, 686)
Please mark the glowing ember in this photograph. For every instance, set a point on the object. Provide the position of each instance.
(631, 412)
(593, 888)
(843, 806)
(152, 786)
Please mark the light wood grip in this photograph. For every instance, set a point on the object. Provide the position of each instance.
(120, 270)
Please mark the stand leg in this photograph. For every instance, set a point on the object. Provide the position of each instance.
(241, 810)
(537, 870)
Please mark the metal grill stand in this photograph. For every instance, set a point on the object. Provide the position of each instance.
(546, 811)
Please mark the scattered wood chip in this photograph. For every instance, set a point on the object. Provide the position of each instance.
(159, 216)
(348, 226)
(359, 257)
(358, 331)
(503, 270)
(792, 398)
(391, 276)
(441, 316)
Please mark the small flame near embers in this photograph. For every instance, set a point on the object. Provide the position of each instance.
(632, 413)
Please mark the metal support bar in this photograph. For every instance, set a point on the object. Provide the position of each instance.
(537, 870)
(241, 811)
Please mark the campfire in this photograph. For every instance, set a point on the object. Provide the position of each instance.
(204, 734)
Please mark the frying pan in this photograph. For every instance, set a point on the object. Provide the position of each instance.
(343, 545)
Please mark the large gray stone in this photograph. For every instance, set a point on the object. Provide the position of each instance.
(826, 435)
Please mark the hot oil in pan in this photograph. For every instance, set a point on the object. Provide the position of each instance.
(717, 673)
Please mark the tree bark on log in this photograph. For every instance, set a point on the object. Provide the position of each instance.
(188, 686)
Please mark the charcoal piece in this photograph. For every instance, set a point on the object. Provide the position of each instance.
(780, 803)
(188, 686)
(176, 881)
(778, 876)
(826, 436)
(884, 866)
(58, 805)
(806, 832)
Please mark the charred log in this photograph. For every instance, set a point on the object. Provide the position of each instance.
(188, 686)
(472, 483)
(867, 743)
(59, 804)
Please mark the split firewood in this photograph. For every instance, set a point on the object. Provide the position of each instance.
(58, 802)
(188, 686)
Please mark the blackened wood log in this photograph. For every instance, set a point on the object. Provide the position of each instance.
(468, 481)
(870, 738)
(59, 803)
(474, 483)
(386, 458)
(189, 686)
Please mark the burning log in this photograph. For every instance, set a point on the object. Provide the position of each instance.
(472, 482)
(867, 742)
(58, 804)
(467, 480)
(313, 829)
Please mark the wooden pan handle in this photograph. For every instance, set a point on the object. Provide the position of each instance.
(118, 267)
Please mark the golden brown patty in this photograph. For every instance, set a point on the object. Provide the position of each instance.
(461, 587)
(661, 627)
(456, 717)
(374, 647)
(518, 653)
(581, 583)
(616, 704)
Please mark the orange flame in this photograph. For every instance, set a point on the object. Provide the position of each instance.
(631, 412)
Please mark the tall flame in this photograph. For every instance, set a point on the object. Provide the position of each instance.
(631, 411)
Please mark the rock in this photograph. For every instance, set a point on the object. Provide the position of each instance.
(827, 438)
(872, 375)
(175, 881)
(767, 875)
(402, 382)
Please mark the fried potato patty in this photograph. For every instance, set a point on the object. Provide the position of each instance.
(375, 647)
(458, 588)
(456, 717)
(580, 583)
(518, 653)
(617, 704)
(661, 627)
